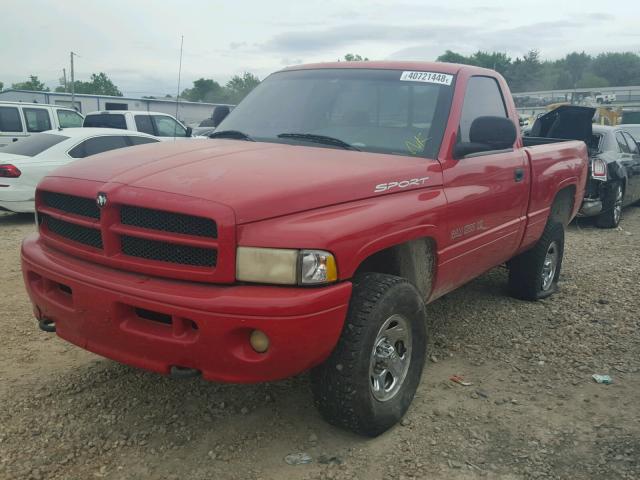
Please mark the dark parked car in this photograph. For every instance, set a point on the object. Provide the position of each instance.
(614, 166)
(614, 175)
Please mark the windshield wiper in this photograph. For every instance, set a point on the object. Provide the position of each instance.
(312, 137)
(235, 134)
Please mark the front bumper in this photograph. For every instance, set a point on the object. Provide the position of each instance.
(154, 323)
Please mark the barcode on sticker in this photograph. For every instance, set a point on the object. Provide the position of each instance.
(429, 77)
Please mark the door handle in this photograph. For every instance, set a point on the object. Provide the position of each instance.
(518, 174)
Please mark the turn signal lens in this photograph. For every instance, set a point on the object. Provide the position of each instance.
(259, 341)
(9, 171)
(317, 266)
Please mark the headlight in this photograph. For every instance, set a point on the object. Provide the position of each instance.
(285, 266)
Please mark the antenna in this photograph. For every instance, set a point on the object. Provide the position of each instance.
(178, 94)
(73, 83)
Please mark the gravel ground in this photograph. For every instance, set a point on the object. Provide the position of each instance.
(532, 412)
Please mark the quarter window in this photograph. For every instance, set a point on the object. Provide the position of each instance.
(622, 144)
(141, 140)
(482, 98)
(633, 146)
(69, 119)
(168, 127)
(95, 145)
(10, 120)
(37, 119)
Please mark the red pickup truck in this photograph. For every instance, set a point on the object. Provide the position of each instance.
(309, 233)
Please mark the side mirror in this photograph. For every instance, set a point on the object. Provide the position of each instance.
(219, 114)
(189, 131)
(487, 134)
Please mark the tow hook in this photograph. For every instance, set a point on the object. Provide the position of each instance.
(47, 325)
(183, 372)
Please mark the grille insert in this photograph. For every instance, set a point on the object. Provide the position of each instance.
(85, 207)
(168, 221)
(168, 252)
(77, 233)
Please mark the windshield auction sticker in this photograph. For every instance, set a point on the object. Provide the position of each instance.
(428, 77)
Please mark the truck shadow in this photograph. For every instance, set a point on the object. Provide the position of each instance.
(9, 218)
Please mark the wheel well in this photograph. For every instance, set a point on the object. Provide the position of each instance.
(413, 260)
(563, 205)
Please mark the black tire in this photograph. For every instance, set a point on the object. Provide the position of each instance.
(526, 280)
(611, 207)
(342, 386)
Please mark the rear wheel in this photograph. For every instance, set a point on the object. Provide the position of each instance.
(369, 381)
(611, 208)
(534, 274)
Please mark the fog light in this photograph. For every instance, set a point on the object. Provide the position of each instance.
(259, 341)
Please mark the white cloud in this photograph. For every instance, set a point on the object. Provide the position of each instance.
(137, 42)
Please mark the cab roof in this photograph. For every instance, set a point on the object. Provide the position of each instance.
(440, 67)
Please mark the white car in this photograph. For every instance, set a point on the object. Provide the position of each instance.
(23, 164)
(161, 125)
(18, 120)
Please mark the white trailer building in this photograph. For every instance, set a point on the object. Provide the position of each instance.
(190, 113)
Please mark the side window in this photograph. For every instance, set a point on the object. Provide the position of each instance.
(633, 146)
(168, 127)
(143, 124)
(95, 145)
(482, 98)
(142, 140)
(622, 144)
(37, 119)
(10, 120)
(69, 119)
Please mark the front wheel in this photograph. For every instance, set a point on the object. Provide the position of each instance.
(534, 274)
(369, 381)
(612, 208)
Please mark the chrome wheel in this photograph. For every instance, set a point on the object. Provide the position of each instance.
(550, 265)
(617, 206)
(390, 358)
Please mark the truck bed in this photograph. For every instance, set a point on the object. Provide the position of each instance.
(545, 154)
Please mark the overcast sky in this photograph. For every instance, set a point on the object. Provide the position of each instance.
(137, 42)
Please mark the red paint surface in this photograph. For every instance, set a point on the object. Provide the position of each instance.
(286, 196)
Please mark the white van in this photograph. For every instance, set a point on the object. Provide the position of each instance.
(20, 119)
(161, 125)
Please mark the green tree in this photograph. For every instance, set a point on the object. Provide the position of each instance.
(32, 84)
(204, 90)
(576, 66)
(497, 61)
(350, 57)
(239, 87)
(591, 80)
(1, 86)
(525, 73)
(619, 69)
(99, 84)
(453, 57)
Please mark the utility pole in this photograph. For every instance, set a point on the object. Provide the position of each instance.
(64, 79)
(73, 85)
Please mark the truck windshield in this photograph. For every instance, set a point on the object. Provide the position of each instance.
(369, 110)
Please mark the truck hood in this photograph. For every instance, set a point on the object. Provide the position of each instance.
(257, 180)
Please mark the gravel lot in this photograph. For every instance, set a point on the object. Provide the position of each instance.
(533, 410)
